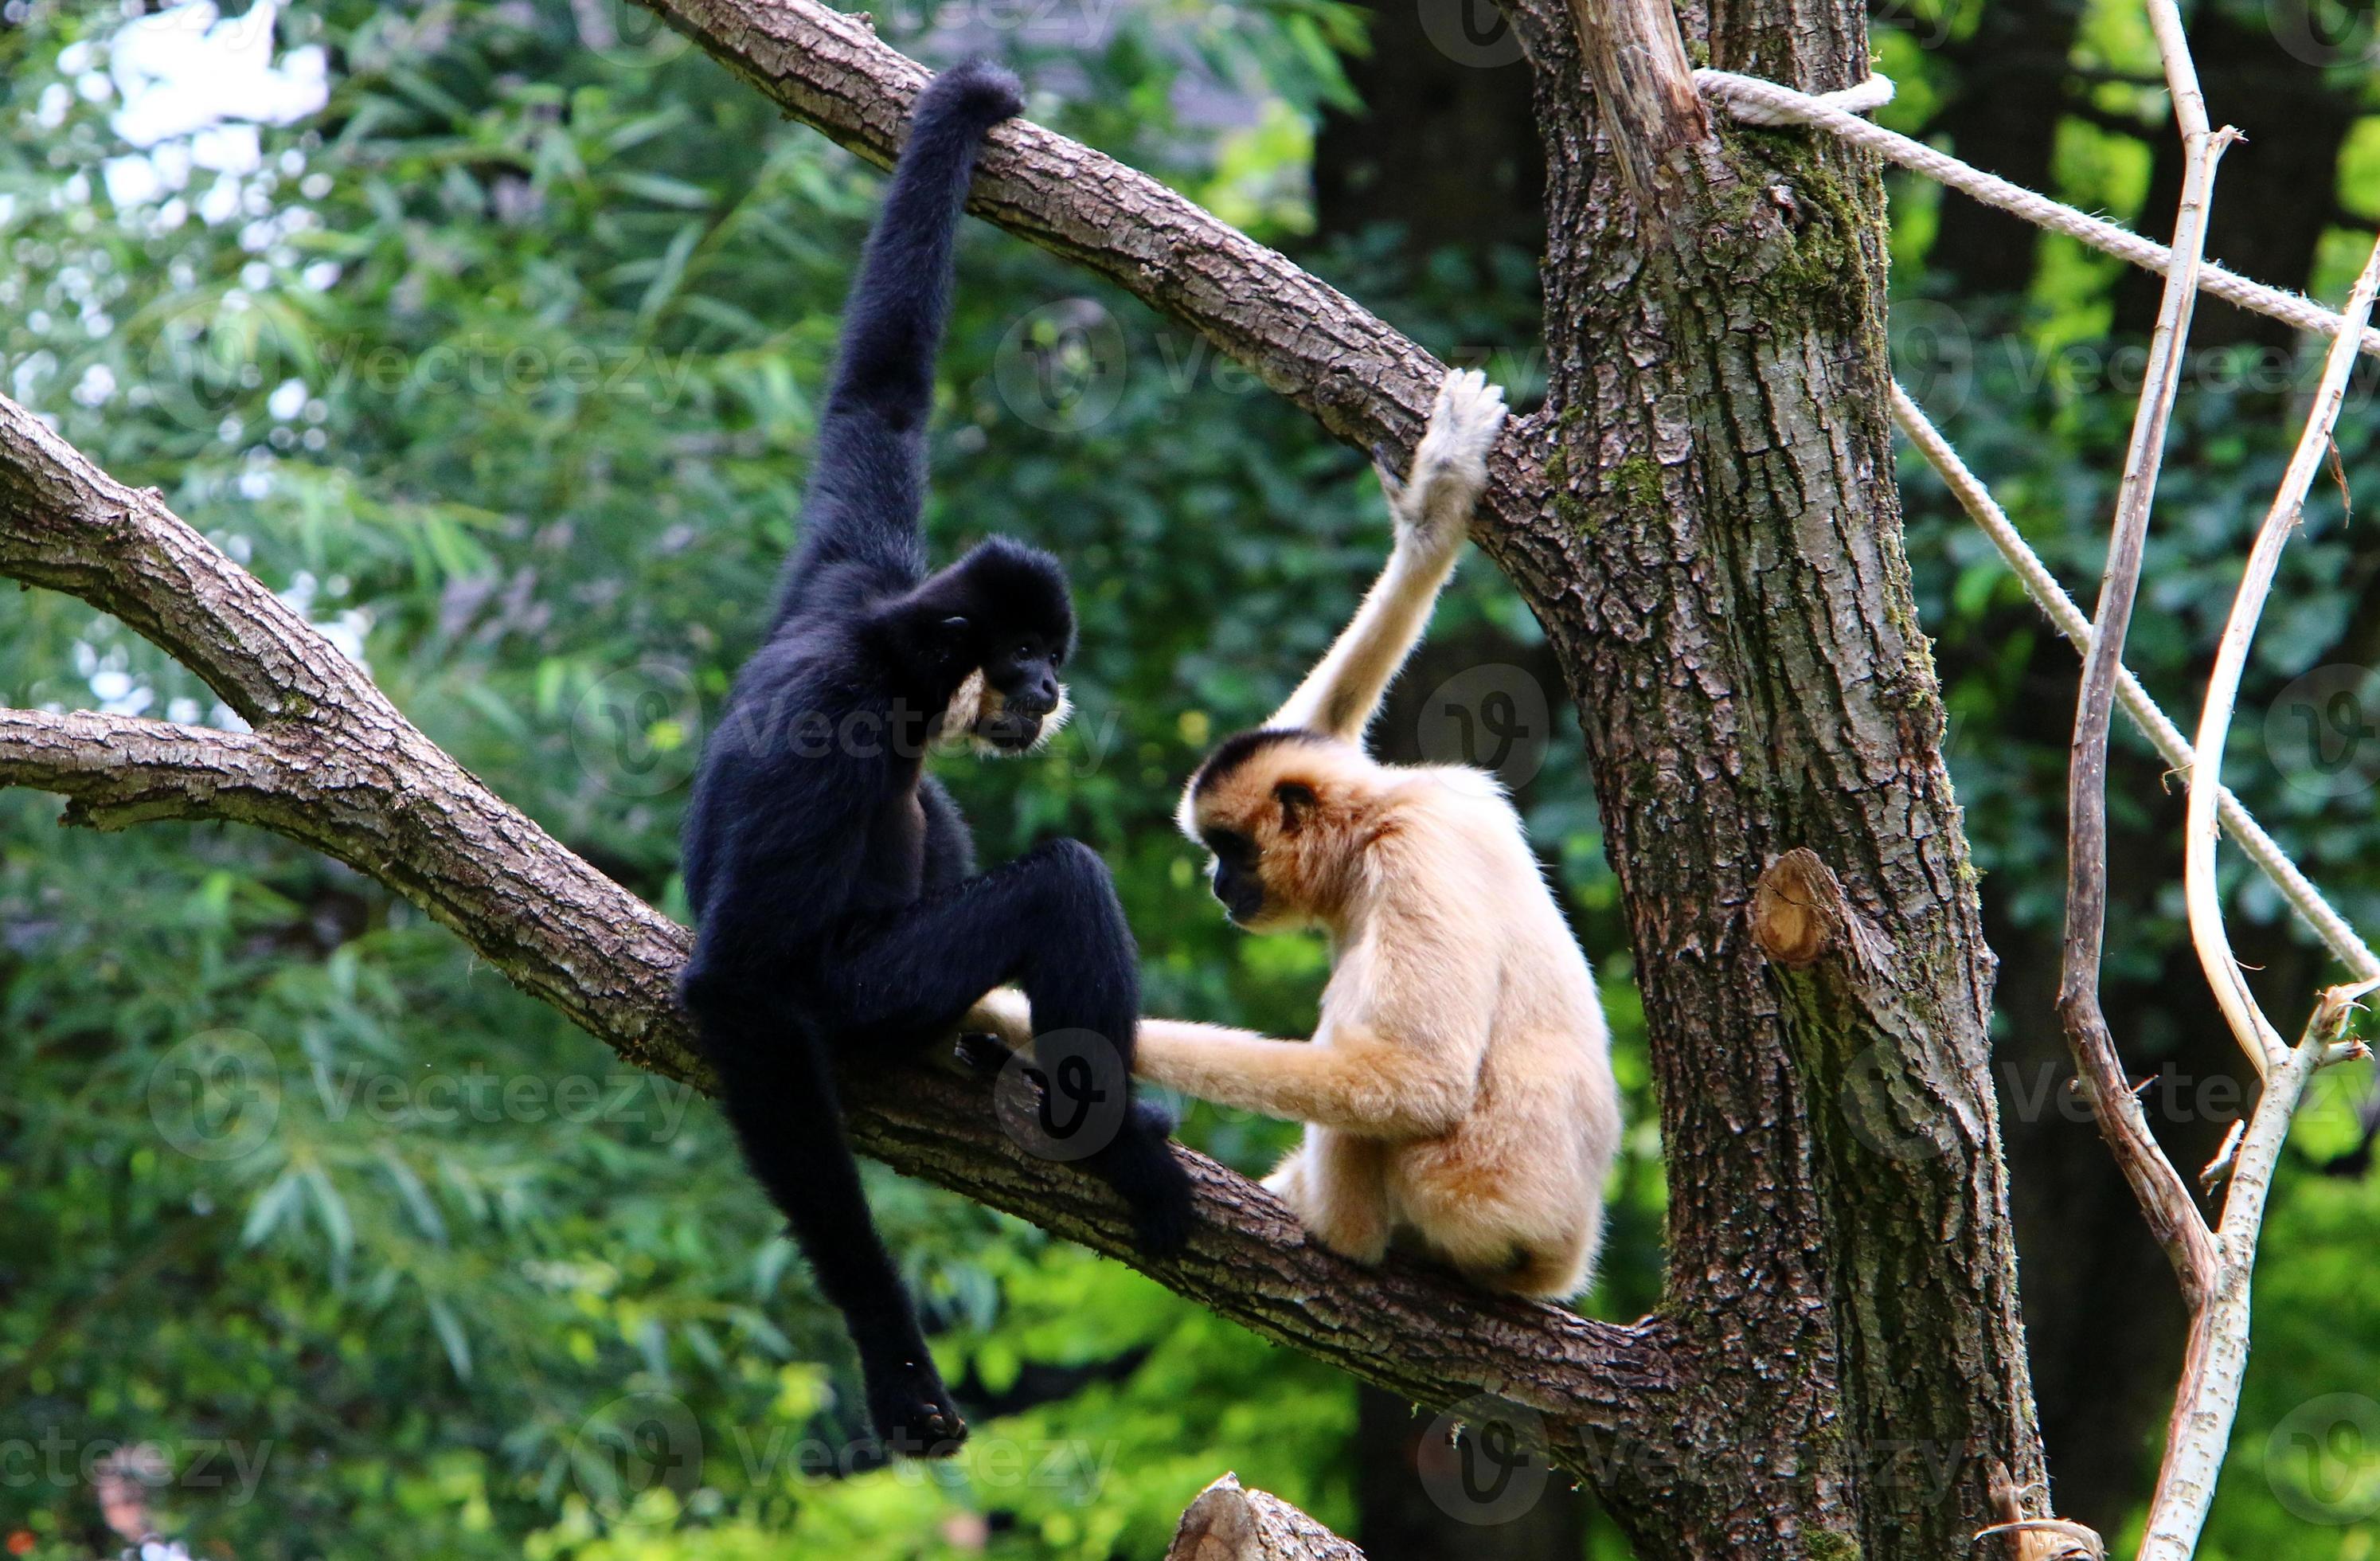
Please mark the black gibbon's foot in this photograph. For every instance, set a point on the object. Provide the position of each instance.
(1142, 1167)
(912, 1412)
(985, 92)
(986, 1054)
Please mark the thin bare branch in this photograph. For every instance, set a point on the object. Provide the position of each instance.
(2200, 1432)
(2067, 617)
(2248, 1025)
(114, 770)
(2164, 1197)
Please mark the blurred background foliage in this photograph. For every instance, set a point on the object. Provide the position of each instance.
(500, 361)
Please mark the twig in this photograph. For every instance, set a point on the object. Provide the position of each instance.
(2164, 1197)
(2248, 1025)
(2067, 617)
(2199, 1430)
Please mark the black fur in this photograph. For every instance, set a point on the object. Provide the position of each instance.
(1240, 747)
(839, 912)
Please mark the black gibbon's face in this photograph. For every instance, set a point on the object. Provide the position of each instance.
(1012, 699)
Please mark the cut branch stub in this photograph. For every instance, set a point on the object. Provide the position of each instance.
(1230, 1522)
(2036, 1539)
(1637, 60)
(1798, 912)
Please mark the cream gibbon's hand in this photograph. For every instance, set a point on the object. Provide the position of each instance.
(1432, 509)
(1433, 504)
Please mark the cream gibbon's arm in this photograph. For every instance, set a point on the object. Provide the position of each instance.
(1361, 1081)
(1432, 510)
(1408, 1067)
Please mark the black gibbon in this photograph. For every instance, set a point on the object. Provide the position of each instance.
(839, 913)
(1458, 1090)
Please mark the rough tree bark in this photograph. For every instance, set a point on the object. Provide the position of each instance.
(1704, 521)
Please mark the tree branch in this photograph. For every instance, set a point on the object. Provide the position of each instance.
(1230, 1522)
(1366, 381)
(2164, 1197)
(333, 765)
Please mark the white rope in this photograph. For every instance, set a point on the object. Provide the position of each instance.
(1865, 97)
(2071, 622)
(1756, 102)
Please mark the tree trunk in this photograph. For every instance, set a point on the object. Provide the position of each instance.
(1718, 564)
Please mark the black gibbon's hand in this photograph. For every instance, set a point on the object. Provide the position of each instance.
(912, 1414)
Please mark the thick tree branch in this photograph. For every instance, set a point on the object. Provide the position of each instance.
(1230, 1522)
(1366, 381)
(336, 767)
(114, 770)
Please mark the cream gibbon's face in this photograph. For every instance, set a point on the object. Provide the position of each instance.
(1277, 812)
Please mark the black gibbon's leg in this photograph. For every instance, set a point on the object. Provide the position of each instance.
(779, 1093)
(1051, 922)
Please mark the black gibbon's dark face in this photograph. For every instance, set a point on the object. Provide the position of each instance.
(1021, 690)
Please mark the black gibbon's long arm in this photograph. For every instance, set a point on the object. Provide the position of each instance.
(839, 918)
(867, 480)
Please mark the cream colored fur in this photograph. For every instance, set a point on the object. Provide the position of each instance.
(1458, 1090)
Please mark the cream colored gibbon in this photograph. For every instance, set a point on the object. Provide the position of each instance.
(1458, 1090)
